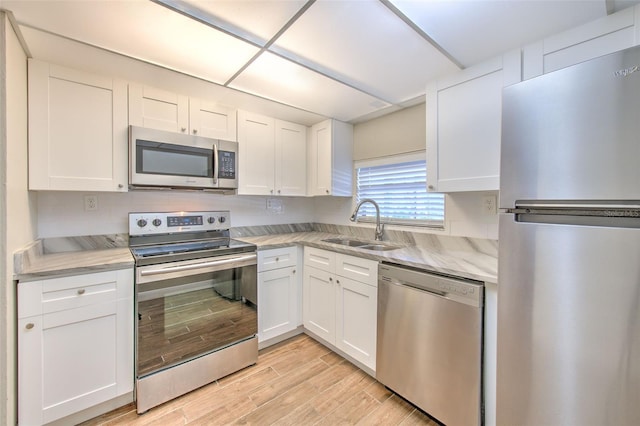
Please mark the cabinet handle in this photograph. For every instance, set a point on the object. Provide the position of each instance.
(81, 291)
(271, 191)
(327, 191)
(278, 191)
(338, 282)
(29, 326)
(277, 259)
(294, 271)
(120, 186)
(183, 129)
(195, 131)
(330, 279)
(431, 187)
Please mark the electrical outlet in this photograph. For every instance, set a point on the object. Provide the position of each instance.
(489, 204)
(90, 203)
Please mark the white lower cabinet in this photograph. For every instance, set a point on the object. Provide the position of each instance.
(75, 344)
(340, 302)
(279, 292)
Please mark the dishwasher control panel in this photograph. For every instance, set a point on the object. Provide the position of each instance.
(461, 290)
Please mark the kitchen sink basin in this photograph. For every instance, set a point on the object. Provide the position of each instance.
(360, 244)
(378, 247)
(346, 242)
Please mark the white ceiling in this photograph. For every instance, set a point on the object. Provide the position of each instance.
(348, 59)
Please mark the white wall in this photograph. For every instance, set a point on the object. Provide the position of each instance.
(17, 206)
(63, 214)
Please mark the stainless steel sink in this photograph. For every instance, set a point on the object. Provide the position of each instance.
(346, 242)
(378, 247)
(360, 244)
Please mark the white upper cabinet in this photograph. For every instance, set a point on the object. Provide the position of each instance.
(603, 36)
(464, 116)
(331, 158)
(212, 120)
(272, 155)
(256, 147)
(291, 158)
(77, 130)
(163, 110)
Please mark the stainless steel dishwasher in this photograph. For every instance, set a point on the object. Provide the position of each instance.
(429, 347)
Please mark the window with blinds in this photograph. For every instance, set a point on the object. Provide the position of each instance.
(400, 190)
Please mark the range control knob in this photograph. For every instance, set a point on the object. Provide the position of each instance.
(211, 219)
(157, 222)
(222, 219)
(142, 223)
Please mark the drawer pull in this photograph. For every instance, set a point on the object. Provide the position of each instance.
(29, 326)
(277, 259)
(81, 291)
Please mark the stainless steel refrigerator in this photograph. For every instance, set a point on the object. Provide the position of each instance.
(569, 263)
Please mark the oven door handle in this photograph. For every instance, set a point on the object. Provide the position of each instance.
(170, 269)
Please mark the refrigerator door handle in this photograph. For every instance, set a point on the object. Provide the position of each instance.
(577, 206)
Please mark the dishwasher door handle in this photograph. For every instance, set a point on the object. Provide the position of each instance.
(418, 287)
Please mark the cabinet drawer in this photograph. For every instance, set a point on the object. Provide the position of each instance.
(277, 258)
(321, 259)
(57, 294)
(357, 268)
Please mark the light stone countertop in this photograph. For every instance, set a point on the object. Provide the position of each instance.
(35, 263)
(79, 255)
(461, 263)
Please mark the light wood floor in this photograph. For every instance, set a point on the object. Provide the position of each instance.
(298, 382)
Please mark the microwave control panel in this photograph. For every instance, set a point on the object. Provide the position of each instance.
(227, 164)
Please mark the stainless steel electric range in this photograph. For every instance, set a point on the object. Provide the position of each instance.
(196, 302)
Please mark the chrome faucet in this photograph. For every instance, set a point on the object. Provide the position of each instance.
(379, 226)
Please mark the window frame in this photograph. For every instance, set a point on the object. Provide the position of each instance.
(396, 159)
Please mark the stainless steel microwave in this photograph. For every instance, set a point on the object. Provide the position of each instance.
(159, 159)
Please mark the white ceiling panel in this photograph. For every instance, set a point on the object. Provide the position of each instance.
(256, 20)
(141, 29)
(365, 45)
(273, 77)
(348, 59)
(473, 31)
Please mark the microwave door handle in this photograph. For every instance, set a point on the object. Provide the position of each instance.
(216, 172)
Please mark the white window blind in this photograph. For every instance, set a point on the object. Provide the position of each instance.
(400, 190)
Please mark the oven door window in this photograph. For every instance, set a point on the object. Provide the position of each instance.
(183, 318)
(175, 160)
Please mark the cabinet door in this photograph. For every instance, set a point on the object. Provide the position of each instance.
(356, 319)
(277, 302)
(256, 146)
(320, 163)
(610, 34)
(330, 159)
(464, 116)
(77, 130)
(319, 303)
(291, 158)
(76, 353)
(158, 109)
(211, 120)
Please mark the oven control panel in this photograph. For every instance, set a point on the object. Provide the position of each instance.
(148, 223)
